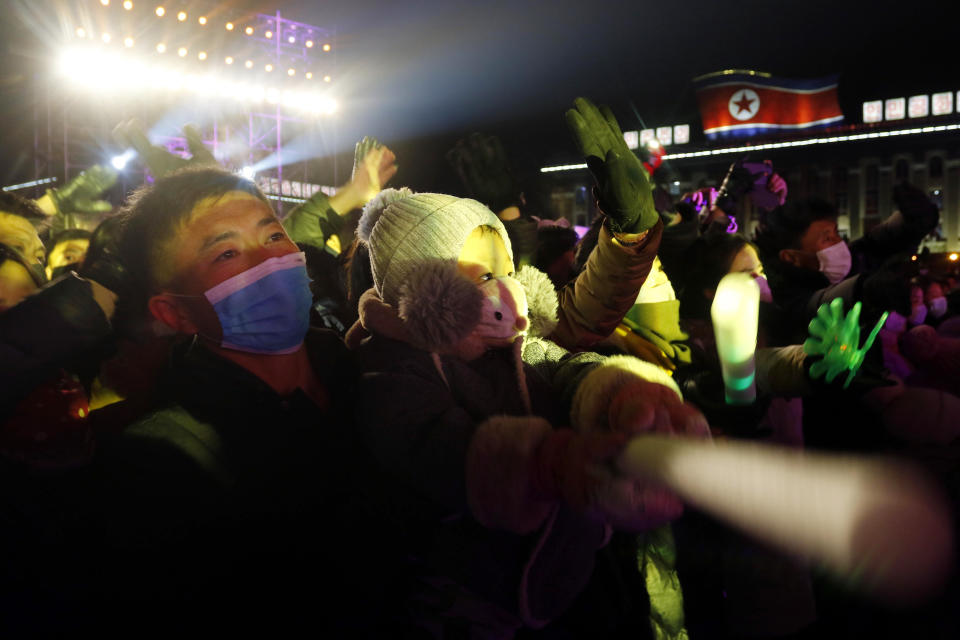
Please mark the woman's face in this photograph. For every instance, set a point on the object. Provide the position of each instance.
(747, 261)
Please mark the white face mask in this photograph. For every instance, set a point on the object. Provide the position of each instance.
(938, 306)
(765, 294)
(835, 262)
(918, 315)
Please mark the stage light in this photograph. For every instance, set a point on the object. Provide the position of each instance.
(248, 64)
(105, 3)
(203, 56)
(268, 68)
(248, 31)
(326, 47)
(291, 39)
(106, 38)
(229, 26)
(953, 257)
(120, 162)
(309, 44)
(309, 75)
(268, 35)
(161, 48)
(248, 172)
(327, 78)
(291, 72)
(202, 20)
(128, 42)
(81, 33)
(182, 52)
(182, 16)
(127, 4)
(160, 12)
(228, 59)
(913, 258)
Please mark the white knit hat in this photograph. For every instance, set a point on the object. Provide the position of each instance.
(405, 230)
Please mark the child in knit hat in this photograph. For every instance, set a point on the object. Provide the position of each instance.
(498, 506)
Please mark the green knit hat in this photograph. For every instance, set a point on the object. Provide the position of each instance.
(405, 230)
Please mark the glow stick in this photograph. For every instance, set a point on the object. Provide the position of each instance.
(878, 523)
(735, 310)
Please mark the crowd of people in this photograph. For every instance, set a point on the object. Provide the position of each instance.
(406, 423)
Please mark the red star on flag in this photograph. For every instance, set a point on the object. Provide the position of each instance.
(743, 104)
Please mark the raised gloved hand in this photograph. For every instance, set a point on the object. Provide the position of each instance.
(373, 167)
(80, 194)
(160, 161)
(102, 262)
(574, 467)
(623, 187)
(915, 206)
(482, 166)
(837, 339)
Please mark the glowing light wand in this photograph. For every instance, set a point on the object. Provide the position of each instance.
(735, 311)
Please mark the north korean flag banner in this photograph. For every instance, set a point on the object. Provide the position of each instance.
(736, 104)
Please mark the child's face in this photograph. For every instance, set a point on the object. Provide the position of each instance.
(503, 317)
(484, 257)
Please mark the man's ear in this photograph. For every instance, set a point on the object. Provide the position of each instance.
(170, 311)
(790, 256)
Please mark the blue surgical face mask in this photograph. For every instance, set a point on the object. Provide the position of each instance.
(265, 309)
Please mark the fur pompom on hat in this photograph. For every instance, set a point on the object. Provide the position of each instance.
(439, 307)
(541, 301)
(404, 230)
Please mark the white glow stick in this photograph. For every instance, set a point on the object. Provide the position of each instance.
(735, 310)
(878, 523)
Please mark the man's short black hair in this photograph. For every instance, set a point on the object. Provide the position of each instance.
(785, 225)
(154, 212)
(20, 206)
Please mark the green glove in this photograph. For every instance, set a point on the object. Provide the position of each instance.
(481, 164)
(80, 194)
(364, 147)
(160, 161)
(837, 339)
(623, 188)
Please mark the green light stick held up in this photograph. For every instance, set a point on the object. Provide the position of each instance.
(735, 311)
(836, 339)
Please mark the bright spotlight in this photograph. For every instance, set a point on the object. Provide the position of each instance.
(127, 4)
(182, 16)
(248, 172)
(268, 68)
(309, 44)
(327, 78)
(160, 12)
(291, 39)
(182, 52)
(203, 56)
(81, 33)
(202, 20)
(309, 75)
(161, 48)
(120, 162)
(953, 257)
(106, 38)
(229, 26)
(228, 59)
(248, 64)
(268, 35)
(128, 42)
(248, 31)
(105, 3)
(326, 47)
(291, 72)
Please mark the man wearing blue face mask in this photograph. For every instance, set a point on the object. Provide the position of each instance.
(218, 505)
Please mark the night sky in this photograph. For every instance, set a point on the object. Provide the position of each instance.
(419, 73)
